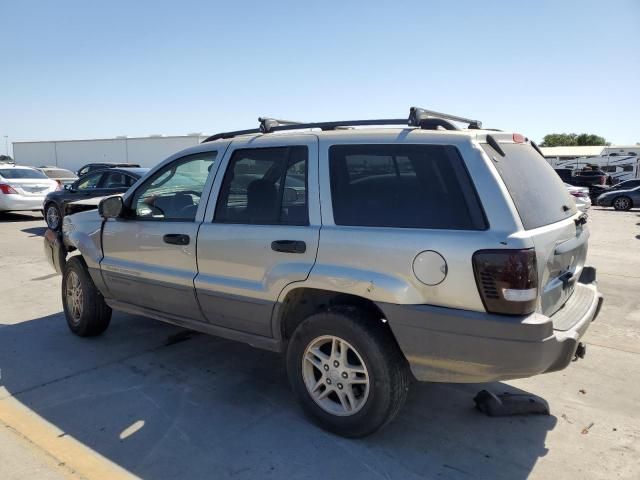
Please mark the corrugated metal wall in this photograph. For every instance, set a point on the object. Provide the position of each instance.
(73, 154)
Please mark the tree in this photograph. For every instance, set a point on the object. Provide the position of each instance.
(6, 159)
(572, 139)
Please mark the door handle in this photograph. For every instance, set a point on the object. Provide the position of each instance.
(289, 246)
(176, 239)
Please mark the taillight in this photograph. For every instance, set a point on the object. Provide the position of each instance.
(7, 189)
(579, 194)
(60, 186)
(507, 280)
(603, 180)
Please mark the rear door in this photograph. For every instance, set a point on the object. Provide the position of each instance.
(261, 233)
(548, 214)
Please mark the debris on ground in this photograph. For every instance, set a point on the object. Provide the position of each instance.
(585, 430)
(510, 404)
(583, 391)
(564, 415)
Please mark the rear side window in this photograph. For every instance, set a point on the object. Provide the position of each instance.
(265, 186)
(537, 191)
(403, 186)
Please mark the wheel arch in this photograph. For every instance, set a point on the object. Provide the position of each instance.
(300, 302)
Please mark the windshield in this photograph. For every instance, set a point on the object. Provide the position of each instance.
(21, 173)
(537, 191)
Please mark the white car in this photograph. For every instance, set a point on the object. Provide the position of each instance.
(23, 188)
(580, 196)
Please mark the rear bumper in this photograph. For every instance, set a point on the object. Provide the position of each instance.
(54, 250)
(449, 345)
(15, 203)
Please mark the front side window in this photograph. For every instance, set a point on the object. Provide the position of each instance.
(265, 186)
(175, 191)
(89, 182)
(402, 186)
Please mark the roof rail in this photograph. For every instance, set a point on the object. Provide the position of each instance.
(418, 117)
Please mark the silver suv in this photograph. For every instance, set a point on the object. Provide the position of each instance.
(370, 256)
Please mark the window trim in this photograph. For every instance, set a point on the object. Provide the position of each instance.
(131, 200)
(221, 194)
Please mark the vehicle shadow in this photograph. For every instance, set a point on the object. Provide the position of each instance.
(162, 403)
(6, 217)
(35, 231)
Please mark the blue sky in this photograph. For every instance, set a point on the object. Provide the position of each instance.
(82, 69)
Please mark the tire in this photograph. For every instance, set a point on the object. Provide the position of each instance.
(86, 312)
(622, 203)
(53, 217)
(366, 406)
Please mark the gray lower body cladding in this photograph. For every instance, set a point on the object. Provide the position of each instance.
(460, 346)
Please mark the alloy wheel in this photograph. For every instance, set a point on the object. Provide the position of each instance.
(621, 203)
(335, 375)
(53, 217)
(74, 296)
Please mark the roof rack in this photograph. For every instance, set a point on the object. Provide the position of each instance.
(418, 117)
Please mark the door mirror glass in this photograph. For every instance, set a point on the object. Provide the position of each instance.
(290, 196)
(111, 207)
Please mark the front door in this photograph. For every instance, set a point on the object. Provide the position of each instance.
(261, 233)
(150, 255)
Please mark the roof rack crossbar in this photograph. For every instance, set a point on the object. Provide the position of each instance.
(417, 114)
(418, 117)
(279, 125)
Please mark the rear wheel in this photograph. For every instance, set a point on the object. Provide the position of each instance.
(53, 217)
(622, 203)
(86, 312)
(347, 371)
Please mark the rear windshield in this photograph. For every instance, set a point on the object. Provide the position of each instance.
(402, 186)
(60, 173)
(18, 173)
(537, 191)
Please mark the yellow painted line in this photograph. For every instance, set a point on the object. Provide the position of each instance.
(76, 456)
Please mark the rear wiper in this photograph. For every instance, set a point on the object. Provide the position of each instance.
(581, 220)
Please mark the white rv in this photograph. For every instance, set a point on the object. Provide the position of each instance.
(621, 162)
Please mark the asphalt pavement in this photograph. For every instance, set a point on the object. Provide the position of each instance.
(149, 400)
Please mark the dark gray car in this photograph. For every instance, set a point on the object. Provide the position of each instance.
(620, 199)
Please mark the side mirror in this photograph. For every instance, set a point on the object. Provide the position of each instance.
(290, 195)
(111, 207)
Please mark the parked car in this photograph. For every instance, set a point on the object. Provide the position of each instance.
(596, 191)
(566, 174)
(580, 196)
(90, 167)
(586, 178)
(412, 253)
(60, 175)
(23, 188)
(73, 198)
(620, 199)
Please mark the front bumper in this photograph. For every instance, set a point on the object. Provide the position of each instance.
(54, 250)
(18, 203)
(460, 346)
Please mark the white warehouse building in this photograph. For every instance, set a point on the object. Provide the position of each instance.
(73, 154)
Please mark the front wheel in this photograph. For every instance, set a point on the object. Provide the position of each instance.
(622, 203)
(86, 312)
(347, 371)
(53, 217)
